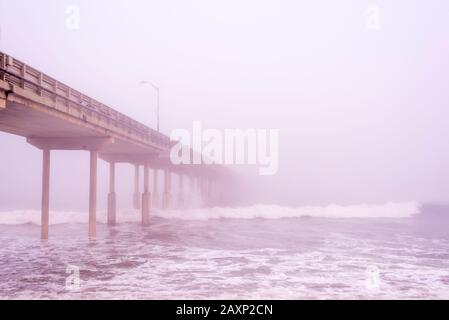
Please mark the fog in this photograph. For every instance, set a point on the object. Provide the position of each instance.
(362, 113)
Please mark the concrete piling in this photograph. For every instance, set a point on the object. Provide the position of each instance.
(93, 194)
(181, 199)
(112, 202)
(166, 198)
(45, 208)
(136, 196)
(146, 196)
(155, 198)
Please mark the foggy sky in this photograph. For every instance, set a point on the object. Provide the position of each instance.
(363, 114)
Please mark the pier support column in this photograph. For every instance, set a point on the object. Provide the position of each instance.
(217, 192)
(136, 197)
(45, 214)
(156, 203)
(166, 198)
(192, 193)
(93, 194)
(146, 196)
(181, 200)
(210, 193)
(112, 202)
(202, 187)
(206, 192)
(199, 191)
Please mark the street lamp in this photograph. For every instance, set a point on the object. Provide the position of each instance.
(157, 91)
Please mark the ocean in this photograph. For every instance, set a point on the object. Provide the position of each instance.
(391, 251)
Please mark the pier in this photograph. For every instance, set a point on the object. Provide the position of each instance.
(53, 116)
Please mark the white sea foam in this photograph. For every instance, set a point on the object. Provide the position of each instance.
(388, 210)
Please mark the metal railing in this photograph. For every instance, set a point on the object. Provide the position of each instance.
(18, 73)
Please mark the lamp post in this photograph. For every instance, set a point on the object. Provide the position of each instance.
(158, 100)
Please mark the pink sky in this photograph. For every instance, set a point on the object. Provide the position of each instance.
(363, 114)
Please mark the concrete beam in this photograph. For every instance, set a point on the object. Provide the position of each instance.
(131, 158)
(209, 192)
(78, 143)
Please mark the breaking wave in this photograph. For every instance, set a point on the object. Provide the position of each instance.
(388, 210)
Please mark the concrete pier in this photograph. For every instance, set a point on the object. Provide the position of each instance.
(166, 197)
(45, 208)
(146, 196)
(93, 194)
(112, 202)
(136, 196)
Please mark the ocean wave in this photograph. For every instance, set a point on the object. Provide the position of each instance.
(388, 210)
